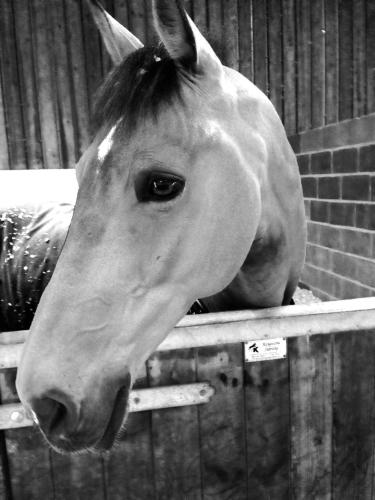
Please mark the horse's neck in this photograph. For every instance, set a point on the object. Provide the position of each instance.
(262, 281)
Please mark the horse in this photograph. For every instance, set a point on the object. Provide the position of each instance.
(189, 190)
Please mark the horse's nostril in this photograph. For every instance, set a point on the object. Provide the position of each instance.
(51, 415)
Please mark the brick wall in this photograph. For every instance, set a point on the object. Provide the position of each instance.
(337, 166)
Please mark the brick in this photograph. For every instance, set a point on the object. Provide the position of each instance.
(309, 254)
(312, 276)
(321, 163)
(312, 140)
(367, 158)
(356, 242)
(345, 160)
(319, 211)
(309, 187)
(335, 135)
(356, 187)
(344, 265)
(319, 256)
(323, 296)
(353, 131)
(295, 142)
(350, 290)
(330, 236)
(343, 134)
(365, 216)
(365, 272)
(317, 278)
(342, 214)
(303, 164)
(313, 232)
(329, 283)
(307, 208)
(329, 187)
(362, 129)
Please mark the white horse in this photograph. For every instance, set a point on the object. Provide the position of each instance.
(189, 190)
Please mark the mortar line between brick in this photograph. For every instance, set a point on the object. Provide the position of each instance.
(316, 290)
(336, 226)
(357, 173)
(340, 276)
(336, 148)
(351, 255)
(351, 202)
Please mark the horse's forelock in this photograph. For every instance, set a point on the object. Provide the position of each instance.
(139, 87)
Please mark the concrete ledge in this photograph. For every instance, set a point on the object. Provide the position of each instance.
(338, 135)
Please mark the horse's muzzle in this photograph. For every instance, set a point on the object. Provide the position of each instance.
(70, 426)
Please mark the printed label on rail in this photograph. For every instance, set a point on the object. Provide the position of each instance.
(263, 350)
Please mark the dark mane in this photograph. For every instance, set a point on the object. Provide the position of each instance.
(144, 82)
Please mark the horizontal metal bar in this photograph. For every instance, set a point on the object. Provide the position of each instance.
(287, 321)
(245, 326)
(14, 415)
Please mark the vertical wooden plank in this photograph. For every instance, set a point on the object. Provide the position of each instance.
(121, 12)
(260, 45)
(26, 73)
(310, 361)
(42, 42)
(137, 19)
(222, 424)
(370, 55)
(11, 87)
(275, 56)
(60, 77)
(359, 58)
(267, 429)
(345, 59)
(188, 4)
(230, 34)
(152, 38)
(5, 485)
(245, 38)
(4, 153)
(289, 66)
(200, 16)
(77, 476)
(331, 62)
(317, 63)
(92, 54)
(106, 60)
(215, 27)
(353, 415)
(28, 454)
(78, 75)
(129, 466)
(304, 64)
(175, 431)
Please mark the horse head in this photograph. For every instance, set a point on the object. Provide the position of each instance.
(168, 207)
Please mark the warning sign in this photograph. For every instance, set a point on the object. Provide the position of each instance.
(263, 350)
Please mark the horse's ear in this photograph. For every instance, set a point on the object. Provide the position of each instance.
(182, 38)
(118, 41)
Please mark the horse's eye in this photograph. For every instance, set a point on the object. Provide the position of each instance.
(160, 186)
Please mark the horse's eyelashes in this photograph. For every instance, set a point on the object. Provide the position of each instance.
(158, 186)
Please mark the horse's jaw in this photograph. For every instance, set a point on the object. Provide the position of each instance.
(77, 378)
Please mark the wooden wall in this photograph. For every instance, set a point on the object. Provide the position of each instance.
(315, 59)
(297, 428)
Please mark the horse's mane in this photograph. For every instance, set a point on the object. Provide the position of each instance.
(138, 88)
